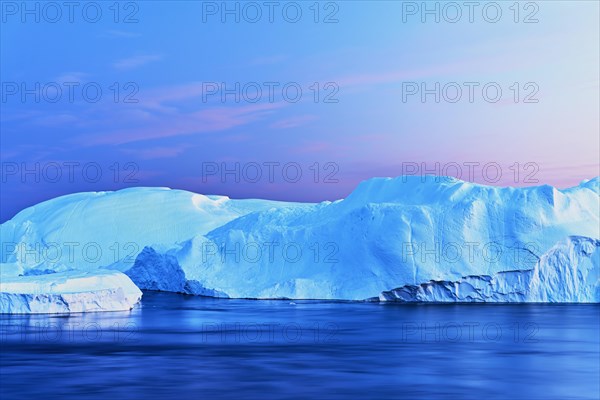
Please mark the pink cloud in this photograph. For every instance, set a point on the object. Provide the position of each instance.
(459, 68)
(312, 147)
(208, 120)
(293, 122)
(157, 152)
(136, 61)
(154, 98)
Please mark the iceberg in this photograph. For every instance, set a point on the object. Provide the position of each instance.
(568, 273)
(388, 233)
(162, 272)
(68, 292)
(397, 239)
(87, 231)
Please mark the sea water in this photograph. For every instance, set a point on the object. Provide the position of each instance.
(176, 346)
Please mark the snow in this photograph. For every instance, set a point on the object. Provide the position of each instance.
(100, 229)
(68, 292)
(388, 234)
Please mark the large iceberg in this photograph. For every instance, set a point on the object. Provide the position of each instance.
(68, 292)
(388, 234)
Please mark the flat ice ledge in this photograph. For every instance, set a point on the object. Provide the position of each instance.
(68, 292)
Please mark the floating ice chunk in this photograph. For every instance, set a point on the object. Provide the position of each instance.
(68, 292)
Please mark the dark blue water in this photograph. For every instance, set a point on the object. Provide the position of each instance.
(182, 346)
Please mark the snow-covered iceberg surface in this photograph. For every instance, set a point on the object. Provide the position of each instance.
(569, 273)
(388, 233)
(68, 292)
(87, 231)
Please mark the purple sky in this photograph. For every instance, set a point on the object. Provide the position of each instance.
(165, 95)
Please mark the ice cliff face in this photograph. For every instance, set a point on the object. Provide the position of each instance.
(68, 292)
(494, 244)
(162, 272)
(569, 273)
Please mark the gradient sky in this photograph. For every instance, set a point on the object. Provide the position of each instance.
(170, 50)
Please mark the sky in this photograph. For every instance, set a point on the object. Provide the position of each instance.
(296, 101)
